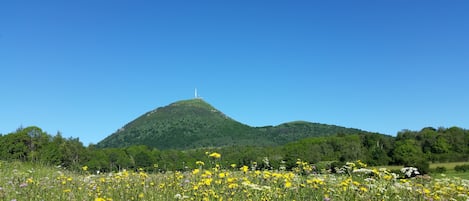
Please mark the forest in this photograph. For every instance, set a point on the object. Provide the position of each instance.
(407, 148)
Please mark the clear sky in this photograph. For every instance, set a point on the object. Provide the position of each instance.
(86, 68)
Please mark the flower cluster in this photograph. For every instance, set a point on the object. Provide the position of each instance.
(410, 172)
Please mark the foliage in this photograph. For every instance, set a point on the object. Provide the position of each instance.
(407, 149)
(33, 145)
(194, 123)
(439, 169)
(461, 168)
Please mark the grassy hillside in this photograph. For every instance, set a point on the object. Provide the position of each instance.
(194, 123)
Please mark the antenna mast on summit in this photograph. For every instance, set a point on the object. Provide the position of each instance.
(196, 95)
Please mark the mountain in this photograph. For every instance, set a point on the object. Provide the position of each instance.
(194, 123)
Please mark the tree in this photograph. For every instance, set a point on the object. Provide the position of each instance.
(406, 152)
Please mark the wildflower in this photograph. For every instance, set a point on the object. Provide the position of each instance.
(22, 185)
(180, 197)
(200, 163)
(84, 168)
(207, 181)
(30, 181)
(207, 174)
(410, 171)
(361, 164)
(363, 171)
(231, 179)
(244, 168)
(215, 155)
(222, 175)
(363, 189)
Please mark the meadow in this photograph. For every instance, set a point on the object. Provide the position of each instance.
(356, 181)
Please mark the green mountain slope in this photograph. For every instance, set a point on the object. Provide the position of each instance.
(298, 130)
(194, 123)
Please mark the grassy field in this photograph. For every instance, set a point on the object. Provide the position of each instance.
(22, 181)
(450, 172)
(449, 166)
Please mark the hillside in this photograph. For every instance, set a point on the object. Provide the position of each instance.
(194, 123)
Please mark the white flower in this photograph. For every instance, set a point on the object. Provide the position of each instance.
(410, 171)
(363, 170)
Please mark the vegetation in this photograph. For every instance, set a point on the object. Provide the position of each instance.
(213, 181)
(408, 148)
(194, 123)
(461, 168)
(204, 155)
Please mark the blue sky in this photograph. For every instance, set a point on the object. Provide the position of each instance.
(86, 68)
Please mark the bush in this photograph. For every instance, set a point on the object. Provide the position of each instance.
(461, 168)
(439, 170)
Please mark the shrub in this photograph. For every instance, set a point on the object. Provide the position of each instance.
(461, 168)
(439, 170)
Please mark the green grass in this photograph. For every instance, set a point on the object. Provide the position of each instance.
(449, 173)
(449, 165)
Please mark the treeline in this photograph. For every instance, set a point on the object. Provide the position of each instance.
(411, 148)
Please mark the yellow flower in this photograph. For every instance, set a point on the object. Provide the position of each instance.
(231, 179)
(195, 171)
(387, 177)
(215, 155)
(207, 174)
(207, 181)
(233, 185)
(361, 164)
(201, 163)
(244, 168)
(84, 168)
(222, 175)
(426, 191)
(363, 189)
(30, 181)
(99, 199)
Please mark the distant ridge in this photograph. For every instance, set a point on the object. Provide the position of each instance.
(194, 123)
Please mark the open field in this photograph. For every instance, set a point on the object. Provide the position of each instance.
(22, 181)
(449, 173)
(448, 166)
